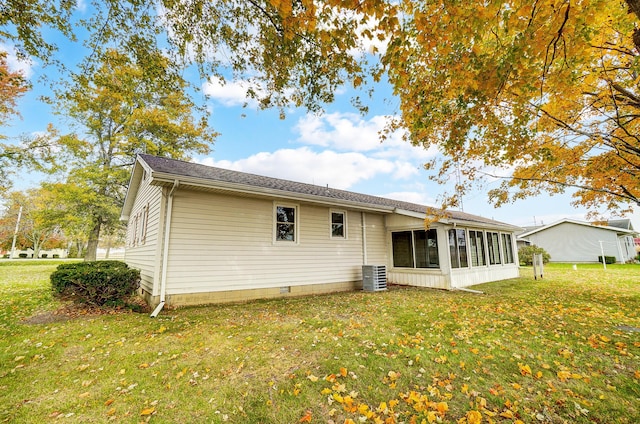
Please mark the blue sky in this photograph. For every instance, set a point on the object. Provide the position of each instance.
(339, 148)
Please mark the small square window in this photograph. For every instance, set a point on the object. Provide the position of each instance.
(338, 224)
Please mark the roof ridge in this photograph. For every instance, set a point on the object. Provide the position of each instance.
(213, 173)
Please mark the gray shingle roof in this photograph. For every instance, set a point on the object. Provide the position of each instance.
(213, 174)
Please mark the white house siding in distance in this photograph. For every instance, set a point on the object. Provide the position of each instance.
(575, 243)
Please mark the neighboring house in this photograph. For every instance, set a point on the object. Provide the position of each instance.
(200, 234)
(44, 253)
(569, 240)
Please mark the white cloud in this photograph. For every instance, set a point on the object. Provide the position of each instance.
(353, 132)
(229, 93)
(338, 170)
(24, 66)
(81, 5)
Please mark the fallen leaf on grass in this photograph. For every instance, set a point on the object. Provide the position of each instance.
(306, 418)
(147, 411)
(474, 417)
(524, 369)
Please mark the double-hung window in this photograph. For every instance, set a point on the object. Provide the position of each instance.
(286, 223)
(338, 224)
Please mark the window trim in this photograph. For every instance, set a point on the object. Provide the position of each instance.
(345, 231)
(296, 223)
(491, 253)
(507, 248)
(412, 245)
(457, 249)
(481, 246)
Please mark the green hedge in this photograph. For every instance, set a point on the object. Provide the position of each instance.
(607, 259)
(98, 283)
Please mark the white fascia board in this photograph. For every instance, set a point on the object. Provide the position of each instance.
(411, 214)
(481, 225)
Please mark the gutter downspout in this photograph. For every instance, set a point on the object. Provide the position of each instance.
(364, 239)
(165, 251)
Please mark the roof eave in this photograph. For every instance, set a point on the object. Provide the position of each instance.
(161, 178)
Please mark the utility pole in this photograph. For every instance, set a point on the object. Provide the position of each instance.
(15, 234)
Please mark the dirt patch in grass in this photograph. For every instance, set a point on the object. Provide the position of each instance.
(73, 310)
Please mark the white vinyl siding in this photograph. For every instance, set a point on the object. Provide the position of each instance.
(569, 242)
(376, 237)
(221, 242)
(143, 242)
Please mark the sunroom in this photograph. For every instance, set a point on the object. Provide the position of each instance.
(450, 253)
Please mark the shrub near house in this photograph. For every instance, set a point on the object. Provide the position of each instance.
(525, 254)
(98, 283)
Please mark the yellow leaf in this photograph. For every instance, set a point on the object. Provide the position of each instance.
(442, 407)
(431, 417)
(108, 402)
(84, 395)
(312, 377)
(524, 369)
(343, 371)
(181, 373)
(474, 417)
(147, 411)
(563, 375)
(506, 414)
(111, 411)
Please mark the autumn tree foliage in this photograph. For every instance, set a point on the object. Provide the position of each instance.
(12, 86)
(40, 222)
(542, 93)
(118, 111)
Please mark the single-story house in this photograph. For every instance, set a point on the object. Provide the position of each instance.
(201, 234)
(574, 241)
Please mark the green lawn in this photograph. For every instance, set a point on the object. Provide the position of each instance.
(562, 349)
